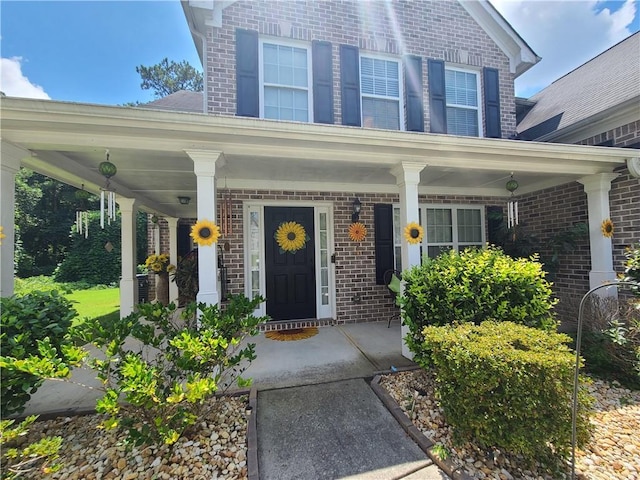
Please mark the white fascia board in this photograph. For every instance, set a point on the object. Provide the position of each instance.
(30, 121)
(521, 56)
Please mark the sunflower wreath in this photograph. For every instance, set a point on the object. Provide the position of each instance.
(205, 233)
(357, 232)
(607, 228)
(291, 237)
(413, 233)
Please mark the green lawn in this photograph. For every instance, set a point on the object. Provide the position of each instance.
(96, 303)
(89, 302)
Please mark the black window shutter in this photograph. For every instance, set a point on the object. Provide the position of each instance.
(437, 97)
(492, 102)
(350, 85)
(413, 87)
(322, 82)
(383, 229)
(247, 82)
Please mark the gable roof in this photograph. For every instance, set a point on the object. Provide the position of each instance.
(180, 101)
(202, 14)
(604, 86)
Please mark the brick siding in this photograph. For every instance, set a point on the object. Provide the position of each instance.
(622, 136)
(431, 29)
(358, 298)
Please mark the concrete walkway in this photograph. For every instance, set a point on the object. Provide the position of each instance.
(316, 415)
(334, 430)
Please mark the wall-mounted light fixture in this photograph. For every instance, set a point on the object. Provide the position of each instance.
(357, 206)
(184, 200)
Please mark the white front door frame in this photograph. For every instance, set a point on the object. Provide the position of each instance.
(255, 209)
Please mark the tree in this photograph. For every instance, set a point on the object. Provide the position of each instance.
(167, 77)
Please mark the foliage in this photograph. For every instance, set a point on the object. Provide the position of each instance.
(632, 267)
(18, 460)
(473, 286)
(179, 363)
(166, 77)
(36, 324)
(517, 242)
(186, 277)
(508, 386)
(44, 213)
(611, 330)
(88, 258)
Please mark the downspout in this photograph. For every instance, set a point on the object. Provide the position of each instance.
(203, 38)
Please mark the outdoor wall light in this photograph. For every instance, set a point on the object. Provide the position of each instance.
(357, 206)
(184, 200)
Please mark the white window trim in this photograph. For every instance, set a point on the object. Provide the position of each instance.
(401, 112)
(286, 43)
(478, 100)
(455, 244)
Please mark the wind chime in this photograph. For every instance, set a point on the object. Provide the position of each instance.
(107, 194)
(225, 212)
(512, 205)
(82, 214)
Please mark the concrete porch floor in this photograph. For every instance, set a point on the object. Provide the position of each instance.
(339, 352)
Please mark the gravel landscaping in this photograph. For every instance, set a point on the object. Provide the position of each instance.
(218, 449)
(613, 452)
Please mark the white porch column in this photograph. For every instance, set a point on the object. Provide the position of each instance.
(204, 166)
(408, 178)
(597, 189)
(173, 254)
(10, 157)
(128, 280)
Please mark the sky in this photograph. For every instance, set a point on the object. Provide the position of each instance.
(87, 51)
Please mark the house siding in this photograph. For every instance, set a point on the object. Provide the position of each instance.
(358, 299)
(428, 29)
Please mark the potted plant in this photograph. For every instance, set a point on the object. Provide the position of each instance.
(159, 264)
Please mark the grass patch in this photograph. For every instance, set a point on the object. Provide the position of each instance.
(89, 301)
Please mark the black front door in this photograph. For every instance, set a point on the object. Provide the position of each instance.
(290, 276)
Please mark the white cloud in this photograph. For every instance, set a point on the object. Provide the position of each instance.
(565, 34)
(14, 84)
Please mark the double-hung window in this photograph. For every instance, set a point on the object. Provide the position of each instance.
(447, 227)
(462, 89)
(381, 91)
(285, 89)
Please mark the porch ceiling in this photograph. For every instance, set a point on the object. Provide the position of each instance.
(67, 141)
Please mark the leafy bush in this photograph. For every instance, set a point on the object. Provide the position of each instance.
(88, 259)
(508, 386)
(474, 286)
(177, 364)
(27, 321)
(632, 266)
(186, 277)
(18, 460)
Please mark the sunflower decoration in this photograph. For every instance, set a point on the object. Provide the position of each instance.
(159, 263)
(2, 235)
(291, 237)
(357, 232)
(205, 233)
(607, 228)
(413, 233)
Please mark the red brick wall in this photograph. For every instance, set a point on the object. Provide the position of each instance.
(625, 214)
(355, 263)
(439, 29)
(622, 136)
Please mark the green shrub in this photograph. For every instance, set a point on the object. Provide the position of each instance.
(508, 386)
(473, 286)
(18, 460)
(632, 267)
(26, 321)
(156, 391)
(88, 258)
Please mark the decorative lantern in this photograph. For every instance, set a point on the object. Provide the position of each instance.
(107, 194)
